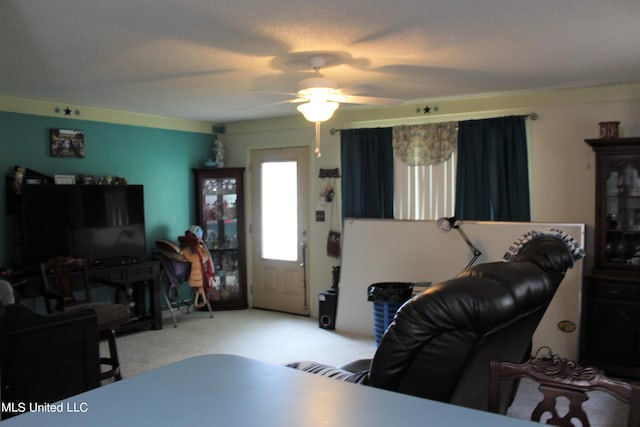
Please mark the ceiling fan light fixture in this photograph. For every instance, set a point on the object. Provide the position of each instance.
(318, 110)
(321, 94)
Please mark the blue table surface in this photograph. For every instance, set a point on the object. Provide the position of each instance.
(226, 390)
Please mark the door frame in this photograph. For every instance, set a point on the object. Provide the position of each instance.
(299, 153)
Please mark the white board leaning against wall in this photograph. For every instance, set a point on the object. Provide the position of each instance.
(416, 251)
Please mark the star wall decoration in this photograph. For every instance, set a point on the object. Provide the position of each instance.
(427, 109)
(67, 111)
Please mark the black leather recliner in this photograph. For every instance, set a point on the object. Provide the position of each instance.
(441, 342)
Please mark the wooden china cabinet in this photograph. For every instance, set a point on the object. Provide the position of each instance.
(220, 213)
(611, 293)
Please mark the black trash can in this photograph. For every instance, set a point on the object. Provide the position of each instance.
(387, 298)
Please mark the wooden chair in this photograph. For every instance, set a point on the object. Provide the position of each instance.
(67, 282)
(559, 377)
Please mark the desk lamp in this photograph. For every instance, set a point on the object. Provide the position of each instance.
(447, 224)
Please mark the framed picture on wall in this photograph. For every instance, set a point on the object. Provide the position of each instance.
(67, 143)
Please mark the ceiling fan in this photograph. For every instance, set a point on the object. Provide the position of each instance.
(319, 97)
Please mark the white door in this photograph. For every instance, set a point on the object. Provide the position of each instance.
(280, 184)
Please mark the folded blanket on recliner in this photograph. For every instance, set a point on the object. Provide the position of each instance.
(330, 371)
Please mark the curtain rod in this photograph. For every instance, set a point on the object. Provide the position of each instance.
(530, 116)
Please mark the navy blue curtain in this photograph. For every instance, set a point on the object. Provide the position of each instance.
(367, 173)
(492, 182)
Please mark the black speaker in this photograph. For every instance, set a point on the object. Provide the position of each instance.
(327, 309)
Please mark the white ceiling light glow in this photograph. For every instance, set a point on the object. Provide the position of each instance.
(318, 110)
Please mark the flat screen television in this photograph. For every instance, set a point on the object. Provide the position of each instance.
(103, 223)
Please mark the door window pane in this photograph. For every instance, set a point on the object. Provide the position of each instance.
(279, 211)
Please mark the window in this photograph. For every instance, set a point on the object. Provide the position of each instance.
(424, 170)
(424, 192)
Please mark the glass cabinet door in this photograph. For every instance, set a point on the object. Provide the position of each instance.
(622, 241)
(220, 214)
(617, 225)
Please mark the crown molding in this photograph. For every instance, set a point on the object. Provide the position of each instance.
(81, 112)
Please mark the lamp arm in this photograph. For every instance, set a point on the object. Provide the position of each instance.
(476, 252)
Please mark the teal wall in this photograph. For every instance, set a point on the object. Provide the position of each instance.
(159, 159)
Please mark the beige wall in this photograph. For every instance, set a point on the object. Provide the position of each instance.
(561, 164)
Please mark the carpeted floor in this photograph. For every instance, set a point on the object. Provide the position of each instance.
(264, 335)
(281, 338)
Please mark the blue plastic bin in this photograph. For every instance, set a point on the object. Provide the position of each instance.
(387, 298)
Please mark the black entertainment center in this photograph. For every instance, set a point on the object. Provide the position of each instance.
(102, 223)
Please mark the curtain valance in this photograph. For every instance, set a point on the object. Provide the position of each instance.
(427, 144)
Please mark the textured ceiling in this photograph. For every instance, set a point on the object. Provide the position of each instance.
(225, 60)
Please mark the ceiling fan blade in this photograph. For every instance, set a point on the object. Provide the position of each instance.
(371, 100)
(322, 89)
(271, 104)
(277, 92)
